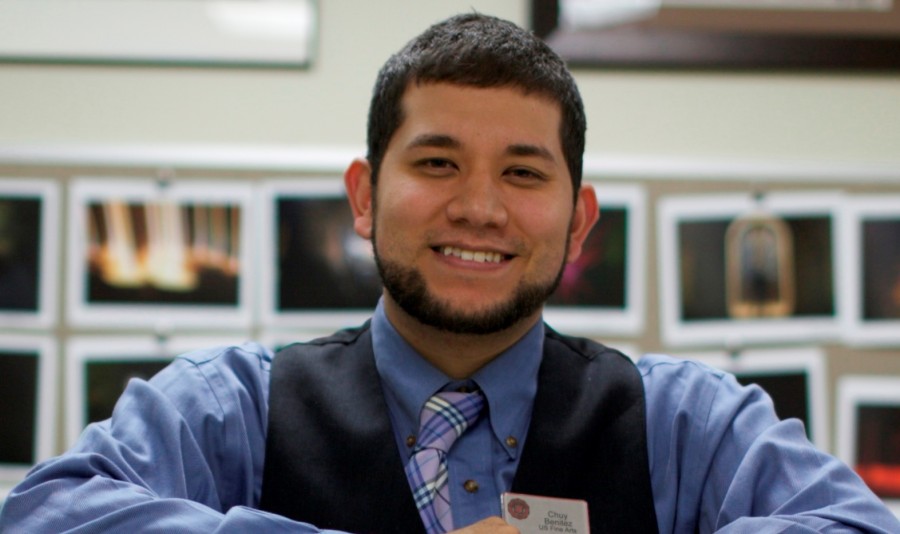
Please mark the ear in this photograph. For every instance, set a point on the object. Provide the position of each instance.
(586, 214)
(358, 183)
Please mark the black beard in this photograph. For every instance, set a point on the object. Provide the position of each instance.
(408, 288)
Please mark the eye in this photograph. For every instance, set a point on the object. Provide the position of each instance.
(525, 174)
(436, 166)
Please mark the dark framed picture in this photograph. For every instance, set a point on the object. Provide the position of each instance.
(318, 273)
(716, 287)
(27, 404)
(242, 33)
(163, 255)
(29, 251)
(794, 377)
(869, 433)
(98, 369)
(603, 291)
(723, 34)
(871, 232)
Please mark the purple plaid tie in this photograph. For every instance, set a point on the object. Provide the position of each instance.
(444, 418)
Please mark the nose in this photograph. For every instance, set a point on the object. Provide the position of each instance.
(478, 201)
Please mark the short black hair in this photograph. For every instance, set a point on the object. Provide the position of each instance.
(481, 51)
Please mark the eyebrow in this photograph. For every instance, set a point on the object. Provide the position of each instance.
(434, 141)
(531, 150)
(446, 141)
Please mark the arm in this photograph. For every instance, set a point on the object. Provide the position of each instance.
(182, 453)
(721, 461)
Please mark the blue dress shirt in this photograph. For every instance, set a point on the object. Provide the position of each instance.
(184, 452)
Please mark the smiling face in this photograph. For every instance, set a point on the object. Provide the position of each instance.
(473, 218)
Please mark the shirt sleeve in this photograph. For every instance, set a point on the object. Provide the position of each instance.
(722, 461)
(183, 452)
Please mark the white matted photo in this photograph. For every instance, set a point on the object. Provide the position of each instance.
(869, 433)
(245, 33)
(795, 378)
(740, 269)
(99, 368)
(603, 291)
(167, 255)
(27, 405)
(871, 270)
(317, 273)
(29, 252)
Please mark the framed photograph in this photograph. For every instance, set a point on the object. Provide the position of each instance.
(723, 34)
(741, 269)
(603, 291)
(29, 252)
(871, 237)
(234, 33)
(27, 404)
(162, 255)
(317, 273)
(99, 368)
(869, 433)
(794, 377)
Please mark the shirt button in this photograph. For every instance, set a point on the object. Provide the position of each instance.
(410, 440)
(512, 442)
(471, 486)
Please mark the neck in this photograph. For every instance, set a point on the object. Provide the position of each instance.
(458, 356)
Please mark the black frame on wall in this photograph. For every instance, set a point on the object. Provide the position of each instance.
(656, 43)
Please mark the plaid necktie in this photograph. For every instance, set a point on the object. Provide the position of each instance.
(444, 418)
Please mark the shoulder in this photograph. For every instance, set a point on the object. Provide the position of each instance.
(698, 402)
(233, 374)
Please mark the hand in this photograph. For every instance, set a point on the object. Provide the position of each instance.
(490, 525)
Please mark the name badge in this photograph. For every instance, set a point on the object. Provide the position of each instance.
(533, 514)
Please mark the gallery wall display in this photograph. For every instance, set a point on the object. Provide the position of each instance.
(27, 403)
(166, 255)
(869, 433)
(871, 288)
(795, 378)
(99, 368)
(723, 34)
(603, 290)
(29, 252)
(238, 33)
(742, 269)
(317, 273)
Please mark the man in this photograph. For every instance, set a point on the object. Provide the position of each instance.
(472, 198)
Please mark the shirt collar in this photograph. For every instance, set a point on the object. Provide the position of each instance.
(509, 382)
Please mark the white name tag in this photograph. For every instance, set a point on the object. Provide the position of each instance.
(533, 514)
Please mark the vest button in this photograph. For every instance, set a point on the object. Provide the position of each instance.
(410, 440)
(512, 441)
(471, 486)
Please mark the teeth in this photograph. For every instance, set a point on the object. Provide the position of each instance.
(472, 255)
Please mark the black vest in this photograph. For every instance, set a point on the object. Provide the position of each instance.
(332, 461)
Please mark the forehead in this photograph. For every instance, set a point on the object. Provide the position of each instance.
(466, 110)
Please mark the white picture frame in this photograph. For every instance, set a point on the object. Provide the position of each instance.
(330, 263)
(44, 350)
(718, 329)
(857, 393)
(770, 364)
(871, 285)
(41, 277)
(85, 351)
(215, 293)
(234, 33)
(626, 315)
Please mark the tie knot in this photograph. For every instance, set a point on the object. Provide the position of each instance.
(446, 416)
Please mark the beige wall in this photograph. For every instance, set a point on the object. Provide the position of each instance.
(808, 117)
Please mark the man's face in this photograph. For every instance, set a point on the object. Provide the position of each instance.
(472, 215)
